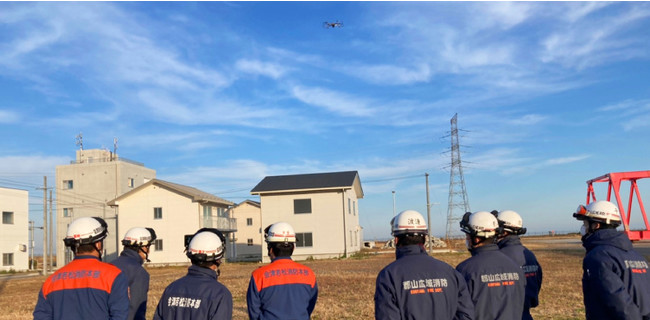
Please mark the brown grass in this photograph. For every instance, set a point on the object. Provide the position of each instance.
(346, 286)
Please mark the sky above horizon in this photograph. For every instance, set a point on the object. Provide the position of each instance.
(218, 95)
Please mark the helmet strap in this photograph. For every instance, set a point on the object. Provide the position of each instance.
(146, 254)
(99, 252)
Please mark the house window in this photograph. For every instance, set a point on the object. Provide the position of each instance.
(7, 217)
(249, 221)
(158, 245)
(250, 242)
(67, 184)
(304, 239)
(130, 182)
(221, 212)
(301, 206)
(350, 238)
(67, 212)
(349, 206)
(7, 259)
(157, 213)
(354, 208)
(207, 211)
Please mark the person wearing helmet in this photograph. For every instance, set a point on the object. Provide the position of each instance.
(509, 243)
(136, 242)
(496, 283)
(283, 289)
(616, 279)
(416, 285)
(85, 288)
(199, 295)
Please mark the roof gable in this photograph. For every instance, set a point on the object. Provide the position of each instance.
(193, 193)
(312, 181)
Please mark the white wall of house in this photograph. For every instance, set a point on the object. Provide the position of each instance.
(14, 229)
(334, 228)
(180, 216)
(249, 243)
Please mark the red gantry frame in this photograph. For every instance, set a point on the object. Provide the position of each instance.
(614, 179)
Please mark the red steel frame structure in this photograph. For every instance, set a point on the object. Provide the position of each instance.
(614, 180)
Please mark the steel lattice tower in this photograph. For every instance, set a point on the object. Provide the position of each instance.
(457, 193)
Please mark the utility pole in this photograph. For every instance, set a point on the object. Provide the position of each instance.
(51, 265)
(457, 191)
(426, 176)
(45, 225)
(393, 203)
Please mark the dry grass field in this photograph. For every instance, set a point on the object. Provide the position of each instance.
(347, 285)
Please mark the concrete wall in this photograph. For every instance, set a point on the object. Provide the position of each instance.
(243, 251)
(14, 238)
(330, 222)
(97, 178)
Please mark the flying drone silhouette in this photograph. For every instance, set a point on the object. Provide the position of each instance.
(336, 24)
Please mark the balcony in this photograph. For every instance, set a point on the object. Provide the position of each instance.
(221, 223)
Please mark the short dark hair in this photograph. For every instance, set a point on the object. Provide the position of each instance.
(409, 239)
(205, 264)
(281, 249)
(86, 248)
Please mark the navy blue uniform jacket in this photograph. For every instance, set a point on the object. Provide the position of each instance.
(130, 263)
(417, 286)
(511, 246)
(85, 288)
(283, 289)
(496, 284)
(615, 280)
(197, 295)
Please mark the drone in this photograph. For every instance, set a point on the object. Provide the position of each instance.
(336, 24)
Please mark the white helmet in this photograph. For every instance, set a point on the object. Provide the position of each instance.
(511, 221)
(85, 230)
(599, 211)
(479, 224)
(280, 232)
(408, 222)
(139, 237)
(206, 245)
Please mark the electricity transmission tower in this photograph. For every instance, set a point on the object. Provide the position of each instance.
(457, 193)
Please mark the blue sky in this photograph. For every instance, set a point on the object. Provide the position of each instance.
(218, 95)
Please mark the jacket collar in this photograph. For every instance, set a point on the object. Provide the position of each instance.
(409, 250)
(195, 270)
(132, 255)
(510, 240)
(484, 248)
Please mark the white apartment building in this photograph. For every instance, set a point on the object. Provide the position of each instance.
(173, 211)
(322, 208)
(83, 188)
(14, 230)
(249, 238)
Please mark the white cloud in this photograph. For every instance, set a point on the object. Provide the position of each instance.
(390, 74)
(270, 70)
(333, 101)
(8, 116)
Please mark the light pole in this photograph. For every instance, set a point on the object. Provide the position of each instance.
(393, 203)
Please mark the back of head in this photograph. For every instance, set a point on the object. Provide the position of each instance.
(409, 227)
(206, 247)
(139, 237)
(84, 232)
(511, 222)
(603, 212)
(280, 238)
(481, 224)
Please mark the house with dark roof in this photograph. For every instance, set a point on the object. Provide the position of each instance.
(322, 208)
(173, 211)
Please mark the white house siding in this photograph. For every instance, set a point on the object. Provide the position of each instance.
(14, 237)
(180, 216)
(243, 251)
(325, 222)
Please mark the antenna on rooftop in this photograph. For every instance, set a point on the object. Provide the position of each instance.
(114, 147)
(80, 141)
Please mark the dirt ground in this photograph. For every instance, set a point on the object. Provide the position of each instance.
(347, 285)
